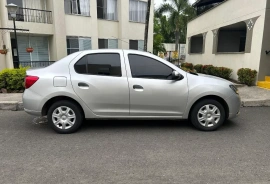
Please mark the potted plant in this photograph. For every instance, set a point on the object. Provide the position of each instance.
(3, 51)
(29, 49)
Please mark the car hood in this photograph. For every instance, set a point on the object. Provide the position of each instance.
(213, 79)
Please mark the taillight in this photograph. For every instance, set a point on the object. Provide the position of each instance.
(29, 81)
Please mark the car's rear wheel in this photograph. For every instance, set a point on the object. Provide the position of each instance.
(65, 117)
(207, 115)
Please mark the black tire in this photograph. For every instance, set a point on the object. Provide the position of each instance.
(195, 110)
(77, 121)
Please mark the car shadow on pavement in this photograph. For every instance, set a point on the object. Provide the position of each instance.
(147, 124)
(96, 125)
(111, 124)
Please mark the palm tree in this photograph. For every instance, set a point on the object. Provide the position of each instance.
(176, 9)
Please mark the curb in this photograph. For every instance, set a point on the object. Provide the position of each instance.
(11, 106)
(18, 106)
(256, 103)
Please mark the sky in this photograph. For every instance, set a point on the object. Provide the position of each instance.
(159, 2)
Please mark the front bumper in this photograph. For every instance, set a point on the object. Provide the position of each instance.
(234, 103)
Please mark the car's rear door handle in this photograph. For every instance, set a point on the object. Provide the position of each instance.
(137, 88)
(83, 85)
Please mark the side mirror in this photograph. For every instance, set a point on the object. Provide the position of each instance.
(177, 76)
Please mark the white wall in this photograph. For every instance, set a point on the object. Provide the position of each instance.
(230, 12)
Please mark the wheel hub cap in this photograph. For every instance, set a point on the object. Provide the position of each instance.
(63, 117)
(209, 115)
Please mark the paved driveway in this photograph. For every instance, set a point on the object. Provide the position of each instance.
(136, 151)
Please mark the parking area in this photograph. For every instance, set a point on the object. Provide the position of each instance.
(135, 151)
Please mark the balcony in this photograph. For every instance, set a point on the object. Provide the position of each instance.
(33, 64)
(33, 15)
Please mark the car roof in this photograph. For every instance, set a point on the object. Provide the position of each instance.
(114, 50)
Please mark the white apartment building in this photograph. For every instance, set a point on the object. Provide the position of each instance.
(231, 33)
(60, 27)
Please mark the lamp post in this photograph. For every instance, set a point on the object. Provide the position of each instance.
(12, 10)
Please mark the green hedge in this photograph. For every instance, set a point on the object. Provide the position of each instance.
(208, 69)
(246, 76)
(198, 68)
(222, 72)
(187, 65)
(12, 79)
(188, 69)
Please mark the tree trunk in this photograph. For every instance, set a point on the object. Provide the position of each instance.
(147, 25)
(176, 40)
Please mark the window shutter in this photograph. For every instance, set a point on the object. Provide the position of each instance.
(23, 43)
(41, 51)
(113, 44)
(140, 45)
(85, 44)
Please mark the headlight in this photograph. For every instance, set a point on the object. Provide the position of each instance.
(234, 89)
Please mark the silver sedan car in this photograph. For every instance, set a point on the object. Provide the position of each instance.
(128, 84)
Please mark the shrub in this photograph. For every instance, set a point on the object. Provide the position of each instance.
(187, 65)
(12, 79)
(207, 69)
(198, 68)
(246, 76)
(221, 72)
(224, 72)
(188, 70)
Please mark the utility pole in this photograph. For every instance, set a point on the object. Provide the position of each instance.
(147, 25)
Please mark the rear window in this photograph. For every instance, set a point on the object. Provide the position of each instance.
(107, 64)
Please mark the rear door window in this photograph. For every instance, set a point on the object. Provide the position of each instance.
(108, 64)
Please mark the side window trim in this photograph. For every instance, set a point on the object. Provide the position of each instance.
(86, 64)
(149, 58)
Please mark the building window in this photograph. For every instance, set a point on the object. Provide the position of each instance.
(148, 68)
(40, 45)
(107, 43)
(108, 64)
(107, 9)
(232, 38)
(77, 7)
(136, 44)
(137, 11)
(75, 44)
(196, 44)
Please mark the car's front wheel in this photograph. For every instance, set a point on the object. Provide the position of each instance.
(207, 115)
(65, 117)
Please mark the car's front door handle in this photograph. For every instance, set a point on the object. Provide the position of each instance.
(137, 88)
(83, 85)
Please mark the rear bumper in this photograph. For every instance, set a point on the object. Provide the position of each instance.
(35, 113)
(32, 102)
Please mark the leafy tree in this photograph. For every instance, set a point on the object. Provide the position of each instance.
(158, 37)
(180, 12)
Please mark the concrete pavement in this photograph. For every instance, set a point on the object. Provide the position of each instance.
(149, 152)
(250, 96)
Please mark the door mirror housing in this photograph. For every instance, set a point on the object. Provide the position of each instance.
(177, 76)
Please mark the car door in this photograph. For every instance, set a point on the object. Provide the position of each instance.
(152, 90)
(100, 80)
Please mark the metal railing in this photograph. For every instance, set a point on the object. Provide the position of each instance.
(33, 64)
(33, 15)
